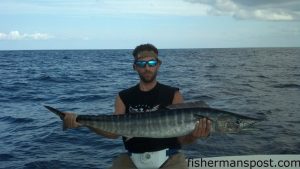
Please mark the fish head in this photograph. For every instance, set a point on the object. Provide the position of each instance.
(231, 124)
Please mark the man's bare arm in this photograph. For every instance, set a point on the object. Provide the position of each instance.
(178, 98)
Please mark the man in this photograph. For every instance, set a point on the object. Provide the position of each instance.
(147, 96)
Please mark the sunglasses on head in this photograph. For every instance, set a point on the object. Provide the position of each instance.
(143, 63)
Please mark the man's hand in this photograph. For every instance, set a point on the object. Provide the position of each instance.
(70, 120)
(202, 130)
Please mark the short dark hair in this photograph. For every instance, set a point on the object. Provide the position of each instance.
(144, 47)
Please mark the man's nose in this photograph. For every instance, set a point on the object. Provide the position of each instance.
(147, 67)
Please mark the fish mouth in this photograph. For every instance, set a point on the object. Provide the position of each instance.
(248, 125)
(250, 121)
(251, 124)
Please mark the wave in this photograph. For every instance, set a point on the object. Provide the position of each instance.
(45, 78)
(17, 120)
(13, 86)
(203, 97)
(262, 76)
(50, 164)
(212, 66)
(82, 98)
(58, 79)
(27, 97)
(6, 157)
(44, 164)
(290, 85)
(295, 122)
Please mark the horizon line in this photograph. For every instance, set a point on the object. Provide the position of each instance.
(183, 48)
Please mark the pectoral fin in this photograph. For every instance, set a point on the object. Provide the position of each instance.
(127, 138)
(197, 116)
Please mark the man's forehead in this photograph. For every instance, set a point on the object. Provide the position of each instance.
(145, 54)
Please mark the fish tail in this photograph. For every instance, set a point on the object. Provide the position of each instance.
(58, 113)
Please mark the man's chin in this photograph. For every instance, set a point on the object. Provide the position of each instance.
(148, 80)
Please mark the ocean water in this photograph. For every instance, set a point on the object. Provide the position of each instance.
(255, 81)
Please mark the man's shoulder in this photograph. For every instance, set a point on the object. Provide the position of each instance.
(164, 86)
(128, 90)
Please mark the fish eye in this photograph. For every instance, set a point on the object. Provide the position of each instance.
(238, 121)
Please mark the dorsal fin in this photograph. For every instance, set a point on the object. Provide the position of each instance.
(188, 105)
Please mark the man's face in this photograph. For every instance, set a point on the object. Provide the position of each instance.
(147, 73)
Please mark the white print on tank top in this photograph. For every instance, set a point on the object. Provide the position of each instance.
(142, 108)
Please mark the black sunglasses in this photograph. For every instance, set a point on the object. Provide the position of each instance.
(143, 63)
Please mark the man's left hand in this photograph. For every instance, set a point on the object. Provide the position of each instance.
(202, 128)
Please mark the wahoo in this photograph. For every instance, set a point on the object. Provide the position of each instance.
(176, 120)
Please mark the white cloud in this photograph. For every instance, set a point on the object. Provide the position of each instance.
(272, 10)
(272, 15)
(16, 35)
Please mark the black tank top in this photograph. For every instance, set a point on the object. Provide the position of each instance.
(137, 101)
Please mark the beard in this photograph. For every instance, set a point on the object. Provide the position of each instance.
(148, 77)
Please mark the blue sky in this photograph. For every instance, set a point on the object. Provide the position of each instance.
(123, 24)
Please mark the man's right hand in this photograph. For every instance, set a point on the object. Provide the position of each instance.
(70, 120)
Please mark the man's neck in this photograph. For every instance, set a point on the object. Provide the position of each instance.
(147, 86)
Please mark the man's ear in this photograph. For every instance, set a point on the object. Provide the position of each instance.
(159, 63)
